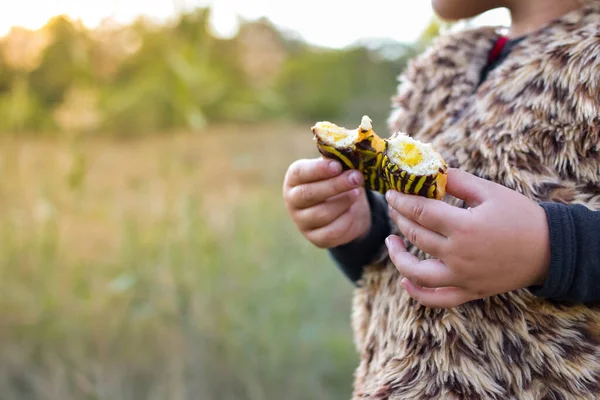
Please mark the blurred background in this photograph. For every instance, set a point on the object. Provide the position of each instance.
(145, 252)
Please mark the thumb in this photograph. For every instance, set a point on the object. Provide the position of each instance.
(465, 186)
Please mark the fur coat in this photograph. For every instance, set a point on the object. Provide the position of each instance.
(533, 126)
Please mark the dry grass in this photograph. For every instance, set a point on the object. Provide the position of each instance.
(165, 268)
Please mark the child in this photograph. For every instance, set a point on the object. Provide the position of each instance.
(489, 294)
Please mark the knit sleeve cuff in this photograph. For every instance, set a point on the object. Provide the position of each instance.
(352, 257)
(562, 252)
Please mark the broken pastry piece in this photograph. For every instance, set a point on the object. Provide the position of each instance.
(359, 148)
(400, 162)
(412, 167)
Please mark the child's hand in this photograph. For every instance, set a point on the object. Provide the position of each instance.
(498, 245)
(329, 207)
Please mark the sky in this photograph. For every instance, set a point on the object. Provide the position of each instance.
(333, 23)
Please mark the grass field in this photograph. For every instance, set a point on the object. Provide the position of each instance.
(165, 268)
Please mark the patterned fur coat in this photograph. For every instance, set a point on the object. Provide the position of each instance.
(533, 126)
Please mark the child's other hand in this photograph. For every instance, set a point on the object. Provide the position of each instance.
(501, 243)
(328, 206)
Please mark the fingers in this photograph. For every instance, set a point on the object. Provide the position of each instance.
(307, 171)
(325, 212)
(341, 230)
(432, 214)
(310, 194)
(430, 282)
(429, 241)
(426, 273)
(441, 297)
(470, 188)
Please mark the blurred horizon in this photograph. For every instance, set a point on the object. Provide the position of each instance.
(129, 80)
(68, 78)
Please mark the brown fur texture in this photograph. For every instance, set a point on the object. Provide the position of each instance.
(533, 126)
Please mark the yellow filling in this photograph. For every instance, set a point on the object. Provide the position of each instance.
(336, 137)
(411, 154)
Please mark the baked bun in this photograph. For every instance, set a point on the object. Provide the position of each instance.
(399, 162)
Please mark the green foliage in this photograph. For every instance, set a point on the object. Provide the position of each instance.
(342, 84)
(167, 82)
(65, 63)
(20, 110)
(145, 78)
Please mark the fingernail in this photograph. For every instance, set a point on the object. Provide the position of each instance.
(389, 242)
(355, 178)
(388, 195)
(355, 192)
(335, 167)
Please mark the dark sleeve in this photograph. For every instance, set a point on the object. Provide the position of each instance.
(352, 257)
(574, 273)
